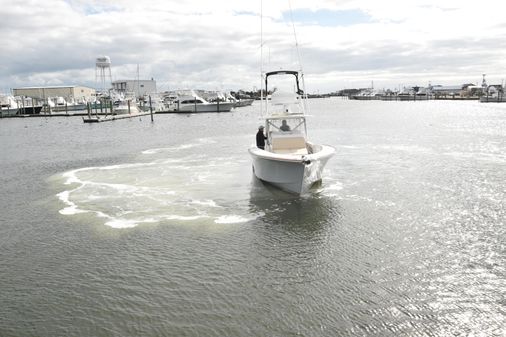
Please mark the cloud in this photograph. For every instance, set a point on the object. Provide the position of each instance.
(209, 44)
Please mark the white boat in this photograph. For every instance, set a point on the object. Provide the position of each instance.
(244, 102)
(154, 102)
(59, 104)
(499, 98)
(28, 105)
(289, 160)
(8, 105)
(494, 94)
(190, 101)
(126, 106)
(238, 102)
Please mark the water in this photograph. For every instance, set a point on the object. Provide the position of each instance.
(130, 228)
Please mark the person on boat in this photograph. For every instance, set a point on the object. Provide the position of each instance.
(261, 138)
(284, 126)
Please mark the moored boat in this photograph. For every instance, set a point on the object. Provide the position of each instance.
(244, 102)
(190, 101)
(497, 98)
(8, 105)
(127, 106)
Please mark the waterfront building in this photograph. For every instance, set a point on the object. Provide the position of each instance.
(138, 88)
(447, 90)
(68, 92)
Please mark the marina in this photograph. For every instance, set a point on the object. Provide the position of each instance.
(198, 101)
(105, 109)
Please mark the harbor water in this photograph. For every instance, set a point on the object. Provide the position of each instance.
(134, 228)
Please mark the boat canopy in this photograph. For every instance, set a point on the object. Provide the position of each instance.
(285, 72)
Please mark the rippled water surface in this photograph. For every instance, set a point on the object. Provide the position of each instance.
(133, 228)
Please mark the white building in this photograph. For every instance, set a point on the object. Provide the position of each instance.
(67, 92)
(447, 90)
(137, 87)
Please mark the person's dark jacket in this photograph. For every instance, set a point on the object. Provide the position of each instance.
(261, 139)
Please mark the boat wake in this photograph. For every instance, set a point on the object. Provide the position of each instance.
(197, 188)
(198, 143)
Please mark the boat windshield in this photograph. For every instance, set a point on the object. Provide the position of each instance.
(287, 124)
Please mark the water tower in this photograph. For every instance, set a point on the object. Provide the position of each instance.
(102, 70)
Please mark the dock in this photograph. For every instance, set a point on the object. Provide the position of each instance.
(108, 118)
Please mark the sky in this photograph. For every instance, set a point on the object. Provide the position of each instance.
(216, 45)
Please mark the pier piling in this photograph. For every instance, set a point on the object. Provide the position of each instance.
(150, 108)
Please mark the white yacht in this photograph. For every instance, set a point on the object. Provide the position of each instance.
(494, 94)
(59, 104)
(8, 105)
(238, 102)
(289, 160)
(126, 106)
(190, 101)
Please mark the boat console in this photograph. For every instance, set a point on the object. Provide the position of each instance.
(288, 142)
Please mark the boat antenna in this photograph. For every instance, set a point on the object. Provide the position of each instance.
(138, 85)
(304, 94)
(295, 35)
(262, 59)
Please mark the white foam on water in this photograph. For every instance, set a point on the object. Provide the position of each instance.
(184, 218)
(64, 196)
(229, 219)
(209, 203)
(200, 142)
(330, 187)
(72, 208)
(154, 151)
(337, 186)
(71, 177)
(176, 189)
(119, 223)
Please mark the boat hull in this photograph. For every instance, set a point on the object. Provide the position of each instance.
(493, 99)
(243, 102)
(291, 173)
(30, 110)
(211, 107)
(126, 111)
(72, 107)
(8, 112)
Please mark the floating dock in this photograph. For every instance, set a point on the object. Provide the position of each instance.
(99, 119)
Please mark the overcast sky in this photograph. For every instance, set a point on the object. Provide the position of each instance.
(215, 44)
